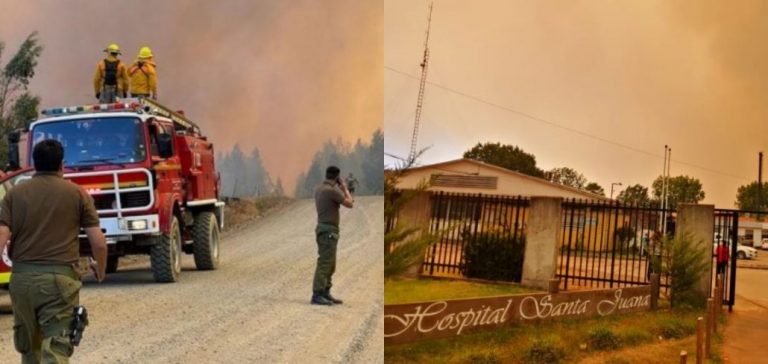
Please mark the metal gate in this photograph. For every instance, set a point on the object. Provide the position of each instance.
(727, 231)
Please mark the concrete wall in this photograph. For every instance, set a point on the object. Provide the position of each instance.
(542, 239)
(698, 222)
(508, 184)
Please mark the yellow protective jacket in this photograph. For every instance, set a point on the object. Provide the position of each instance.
(143, 76)
(122, 76)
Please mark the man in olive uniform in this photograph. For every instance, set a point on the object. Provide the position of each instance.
(43, 217)
(331, 194)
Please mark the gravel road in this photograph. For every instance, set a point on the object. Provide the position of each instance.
(253, 309)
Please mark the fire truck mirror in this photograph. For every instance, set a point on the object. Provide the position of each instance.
(165, 145)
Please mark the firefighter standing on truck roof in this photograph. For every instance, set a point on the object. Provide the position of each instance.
(143, 73)
(111, 77)
(43, 217)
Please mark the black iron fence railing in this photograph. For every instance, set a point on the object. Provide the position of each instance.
(609, 244)
(458, 219)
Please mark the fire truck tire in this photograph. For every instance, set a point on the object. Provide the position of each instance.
(205, 236)
(165, 256)
(112, 262)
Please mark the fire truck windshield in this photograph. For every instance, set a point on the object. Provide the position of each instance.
(91, 141)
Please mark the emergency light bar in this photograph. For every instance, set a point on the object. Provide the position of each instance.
(91, 108)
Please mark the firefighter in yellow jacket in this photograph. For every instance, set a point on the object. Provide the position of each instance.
(111, 77)
(143, 73)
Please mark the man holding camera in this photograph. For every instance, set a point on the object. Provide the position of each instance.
(42, 217)
(329, 196)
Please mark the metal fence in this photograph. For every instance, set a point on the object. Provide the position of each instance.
(727, 231)
(458, 218)
(609, 244)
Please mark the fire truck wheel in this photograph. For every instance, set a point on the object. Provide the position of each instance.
(205, 235)
(165, 256)
(112, 263)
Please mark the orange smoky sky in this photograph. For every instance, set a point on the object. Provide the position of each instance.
(283, 76)
(599, 86)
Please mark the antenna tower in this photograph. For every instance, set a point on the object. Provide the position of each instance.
(422, 84)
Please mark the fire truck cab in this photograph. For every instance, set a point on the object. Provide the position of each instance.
(151, 174)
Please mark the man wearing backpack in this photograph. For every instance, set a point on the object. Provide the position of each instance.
(111, 77)
(143, 75)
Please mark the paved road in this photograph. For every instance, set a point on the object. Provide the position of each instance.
(747, 326)
(254, 308)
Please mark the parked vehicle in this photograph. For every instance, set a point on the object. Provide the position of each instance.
(742, 251)
(151, 173)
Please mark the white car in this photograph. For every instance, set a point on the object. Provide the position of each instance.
(764, 244)
(742, 251)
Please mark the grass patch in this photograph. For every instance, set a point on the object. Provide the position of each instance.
(603, 338)
(241, 212)
(545, 351)
(419, 290)
(676, 328)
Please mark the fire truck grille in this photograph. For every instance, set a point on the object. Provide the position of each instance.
(127, 200)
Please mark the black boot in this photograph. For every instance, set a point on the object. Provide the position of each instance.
(319, 299)
(327, 295)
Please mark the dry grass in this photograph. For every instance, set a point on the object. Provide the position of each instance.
(242, 212)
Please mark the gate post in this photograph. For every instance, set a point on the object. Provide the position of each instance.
(540, 260)
(698, 221)
(416, 213)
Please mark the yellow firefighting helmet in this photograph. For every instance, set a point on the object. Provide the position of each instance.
(145, 52)
(113, 48)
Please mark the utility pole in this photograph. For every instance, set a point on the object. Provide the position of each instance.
(760, 181)
(422, 84)
(662, 216)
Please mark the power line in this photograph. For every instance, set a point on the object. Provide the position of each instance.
(566, 128)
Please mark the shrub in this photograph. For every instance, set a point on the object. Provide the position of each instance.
(483, 359)
(685, 264)
(494, 257)
(634, 336)
(617, 360)
(602, 338)
(544, 351)
(676, 328)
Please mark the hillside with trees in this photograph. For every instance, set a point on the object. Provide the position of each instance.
(364, 160)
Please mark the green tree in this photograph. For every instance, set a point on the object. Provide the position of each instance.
(506, 156)
(748, 198)
(17, 106)
(595, 188)
(635, 194)
(567, 177)
(682, 189)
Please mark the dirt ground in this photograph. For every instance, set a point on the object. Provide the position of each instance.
(254, 308)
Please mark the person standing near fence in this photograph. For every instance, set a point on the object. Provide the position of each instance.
(722, 256)
(654, 253)
(329, 196)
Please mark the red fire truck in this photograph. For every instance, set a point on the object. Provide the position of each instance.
(150, 172)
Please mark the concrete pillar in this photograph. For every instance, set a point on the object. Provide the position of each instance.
(698, 222)
(542, 235)
(417, 212)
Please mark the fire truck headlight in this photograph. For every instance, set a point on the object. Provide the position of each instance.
(137, 225)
